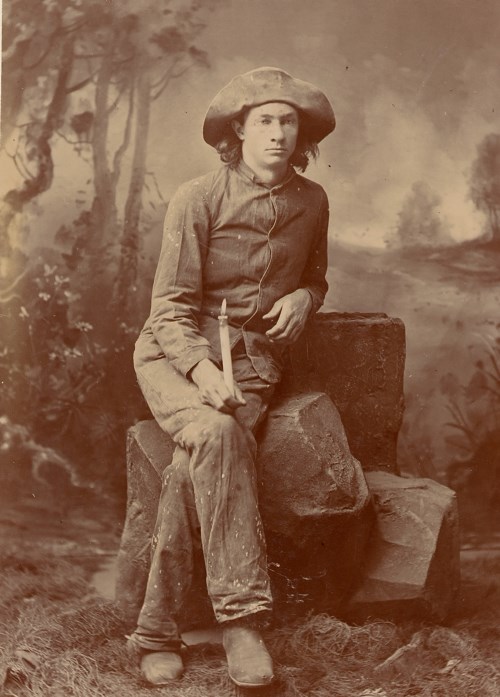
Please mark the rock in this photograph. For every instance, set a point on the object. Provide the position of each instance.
(358, 360)
(313, 498)
(149, 451)
(315, 539)
(413, 565)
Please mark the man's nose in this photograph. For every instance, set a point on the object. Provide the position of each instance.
(277, 132)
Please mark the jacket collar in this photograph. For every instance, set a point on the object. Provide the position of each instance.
(247, 173)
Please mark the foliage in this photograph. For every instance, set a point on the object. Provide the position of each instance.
(419, 220)
(475, 408)
(70, 389)
(475, 411)
(485, 182)
(83, 75)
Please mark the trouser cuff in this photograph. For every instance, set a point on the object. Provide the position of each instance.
(256, 620)
(140, 643)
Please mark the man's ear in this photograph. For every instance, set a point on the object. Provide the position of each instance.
(238, 129)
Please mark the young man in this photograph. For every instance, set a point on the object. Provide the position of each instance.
(253, 232)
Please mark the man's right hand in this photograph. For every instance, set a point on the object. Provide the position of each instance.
(213, 390)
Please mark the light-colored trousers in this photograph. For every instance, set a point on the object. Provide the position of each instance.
(209, 494)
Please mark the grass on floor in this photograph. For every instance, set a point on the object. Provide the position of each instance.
(57, 639)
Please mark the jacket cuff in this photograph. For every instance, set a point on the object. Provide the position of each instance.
(185, 363)
(317, 300)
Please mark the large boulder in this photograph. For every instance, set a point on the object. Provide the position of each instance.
(358, 360)
(313, 498)
(413, 563)
(149, 452)
(314, 502)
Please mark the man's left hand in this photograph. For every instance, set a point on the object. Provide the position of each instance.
(291, 313)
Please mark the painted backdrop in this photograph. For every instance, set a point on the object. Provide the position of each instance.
(412, 170)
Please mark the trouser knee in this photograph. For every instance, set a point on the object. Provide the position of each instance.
(177, 473)
(213, 432)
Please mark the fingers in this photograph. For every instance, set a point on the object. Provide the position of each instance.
(287, 329)
(289, 335)
(275, 310)
(293, 313)
(286, 324)
(282, 326)
(238, 395)
(216, 394)
(233, 402)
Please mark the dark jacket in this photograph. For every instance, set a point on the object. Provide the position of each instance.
(227, 235)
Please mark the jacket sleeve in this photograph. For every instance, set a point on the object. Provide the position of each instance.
(178, 285)
(314, 276)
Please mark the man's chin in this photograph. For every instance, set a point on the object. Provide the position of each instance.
(276, 158)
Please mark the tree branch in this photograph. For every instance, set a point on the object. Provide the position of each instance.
(155, 181)
(25, 173)
(181, 72)
(119, 96)
(44, 53)
(170, 75)
(163, 81)
(81, 84)
(20, 126)
(4, 292)
(73, 142)
(91, 55)
(9, 52)
(75, 26)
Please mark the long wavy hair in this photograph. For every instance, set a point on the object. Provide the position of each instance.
(229, 147)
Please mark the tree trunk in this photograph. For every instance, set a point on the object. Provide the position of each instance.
(126, 282)
(103, 212)
(495, 224)
(16, 199)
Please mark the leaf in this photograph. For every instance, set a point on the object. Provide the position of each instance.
(200, 57)
(478, 385)
(104, 427)
(170, 40)
(449, 384)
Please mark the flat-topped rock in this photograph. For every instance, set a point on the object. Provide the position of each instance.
(357, 360)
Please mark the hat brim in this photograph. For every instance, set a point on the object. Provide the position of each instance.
(262, 86)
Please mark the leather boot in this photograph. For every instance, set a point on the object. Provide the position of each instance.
(248, 660)
(161, 667)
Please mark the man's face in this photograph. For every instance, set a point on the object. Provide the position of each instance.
(269, 134)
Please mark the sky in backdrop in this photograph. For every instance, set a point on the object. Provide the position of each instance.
(415, 87)
(414, 84)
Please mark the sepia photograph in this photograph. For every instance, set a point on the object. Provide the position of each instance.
(250, 348)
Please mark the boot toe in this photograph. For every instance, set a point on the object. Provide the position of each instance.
(161, 667)
(249, 662)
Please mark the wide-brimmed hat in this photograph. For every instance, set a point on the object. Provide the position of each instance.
(265, 85)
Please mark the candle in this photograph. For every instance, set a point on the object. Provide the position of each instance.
(225, 348)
